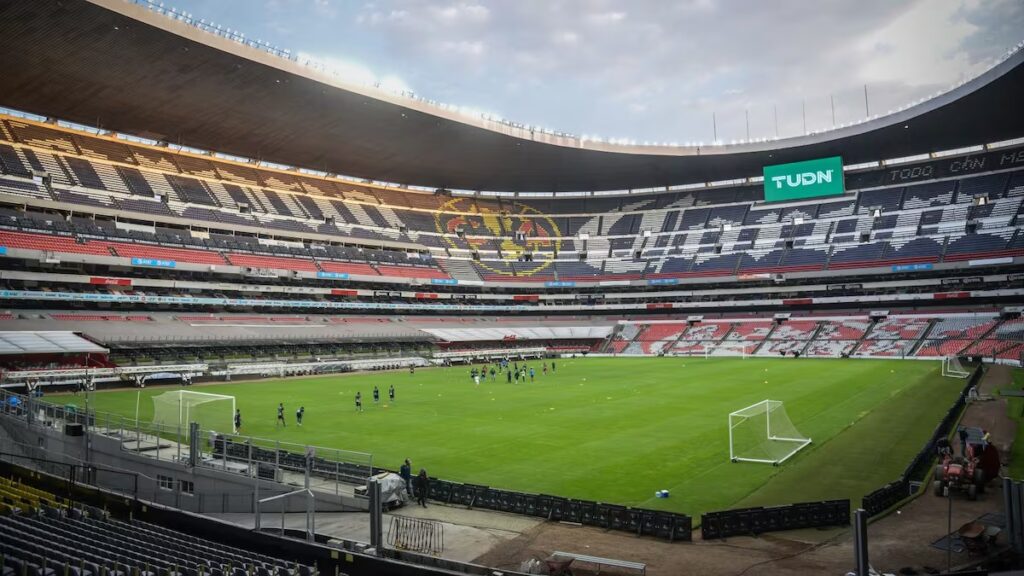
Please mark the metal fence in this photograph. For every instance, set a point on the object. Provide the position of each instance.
(246, 455)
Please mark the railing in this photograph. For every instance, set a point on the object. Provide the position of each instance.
(244, 455)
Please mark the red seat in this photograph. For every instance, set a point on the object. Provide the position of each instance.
(272, 262)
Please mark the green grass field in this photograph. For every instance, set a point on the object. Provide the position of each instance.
(615, 429)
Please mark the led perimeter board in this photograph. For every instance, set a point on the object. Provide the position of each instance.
(807, 179)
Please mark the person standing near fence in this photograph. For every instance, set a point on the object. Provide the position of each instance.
(422, 487)
(406, 473)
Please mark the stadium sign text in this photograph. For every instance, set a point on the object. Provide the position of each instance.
(332, 275)
(154, 262)
(807, 179)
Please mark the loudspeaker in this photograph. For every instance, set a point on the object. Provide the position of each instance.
(602, 516)
(544, 504)
(73, 429)
(632, 520)
(490, 499)
(710, 526)
(529, 502)
(576, 509)
(440, 490)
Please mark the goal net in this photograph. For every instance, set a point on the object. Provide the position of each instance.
(763, 432)
(952, 367)
(173, 411)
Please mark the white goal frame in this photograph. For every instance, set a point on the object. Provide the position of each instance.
(185, 407)
(802, 442)
(952, 368)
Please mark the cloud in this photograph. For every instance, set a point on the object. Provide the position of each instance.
(651, 69)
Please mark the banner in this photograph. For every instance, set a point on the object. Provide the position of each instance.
(911, 267)
(154, 262)
(332, 275)
(807, 179)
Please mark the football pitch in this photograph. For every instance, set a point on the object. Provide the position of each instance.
(612, 429)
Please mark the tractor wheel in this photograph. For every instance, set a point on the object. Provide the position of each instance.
(937, 488)
(940, 472)
(972, 492)
(979, 479)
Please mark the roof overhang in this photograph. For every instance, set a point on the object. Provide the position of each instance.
(21, 343)
(122, 67)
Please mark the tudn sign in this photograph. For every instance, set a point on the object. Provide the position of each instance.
(808, 179)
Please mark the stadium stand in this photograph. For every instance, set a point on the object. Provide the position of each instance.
(913, 226)
(47, 536)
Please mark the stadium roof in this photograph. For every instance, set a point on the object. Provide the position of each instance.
(28, 342)
(122, 67)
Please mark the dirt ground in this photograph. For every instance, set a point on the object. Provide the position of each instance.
(901, 539)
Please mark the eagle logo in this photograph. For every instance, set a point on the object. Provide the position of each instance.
(517, 231)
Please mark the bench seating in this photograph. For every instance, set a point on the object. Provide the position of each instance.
(626, 564)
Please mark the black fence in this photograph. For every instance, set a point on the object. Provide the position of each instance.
(613, 517)
(753, 521)
(892, 493)
(638, 521)
(269, 460)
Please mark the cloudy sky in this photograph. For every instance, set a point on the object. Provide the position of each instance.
(645, 70)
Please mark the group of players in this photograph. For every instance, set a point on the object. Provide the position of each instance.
(376, 397)
(511, 369)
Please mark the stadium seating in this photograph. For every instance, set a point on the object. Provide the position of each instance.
(898, 328)
(885, 348)
(659, 337)
(829, 348)
(795, 330)
(922, 223)
(55, 541)
(846, 329)
(750, 331)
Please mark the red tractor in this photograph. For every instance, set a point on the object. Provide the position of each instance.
(959, 473)
(970, 471)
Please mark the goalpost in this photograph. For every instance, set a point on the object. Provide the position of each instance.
(174, 410)
(952, 367)
(764, 433)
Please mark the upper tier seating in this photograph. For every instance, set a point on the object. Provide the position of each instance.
(920, 223)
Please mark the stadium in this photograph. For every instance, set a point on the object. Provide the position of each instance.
(259, 321)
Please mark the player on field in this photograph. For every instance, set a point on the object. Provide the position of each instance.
(508, 373)
(359, 401)
(376, 395)
(492, 373)
(391, 393)
(544, 370)
(238, 421)
(531, 374)
(298, 415)
(280, 415)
